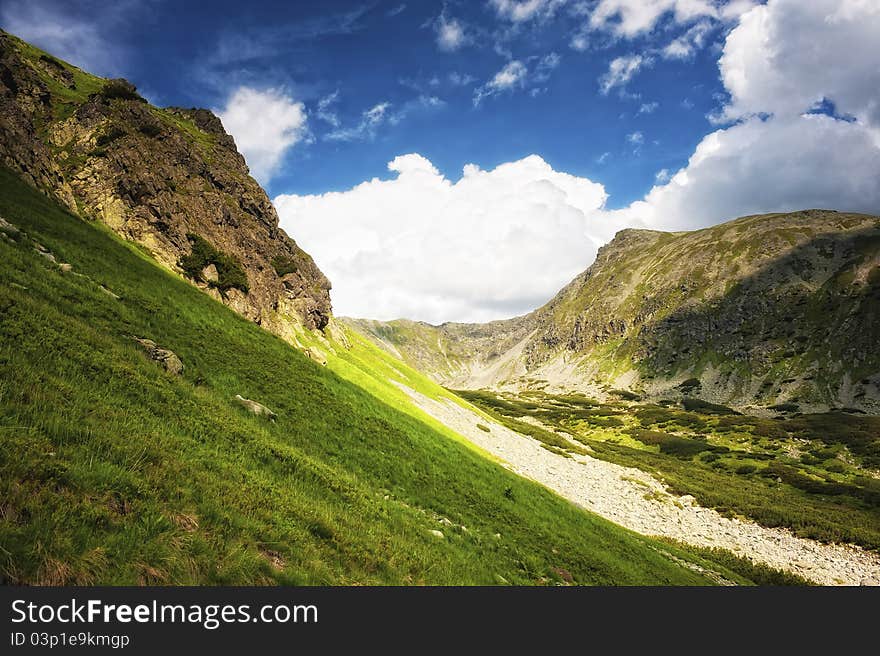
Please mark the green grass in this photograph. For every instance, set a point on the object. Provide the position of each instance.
(113, 471)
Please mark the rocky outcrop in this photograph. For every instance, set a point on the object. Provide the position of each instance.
(166, 358)
(168, 179)
(769, 313)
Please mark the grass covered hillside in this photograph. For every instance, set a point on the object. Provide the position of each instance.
(117, 466)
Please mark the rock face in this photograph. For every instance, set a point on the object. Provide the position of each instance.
(773, 311)
(168, 179)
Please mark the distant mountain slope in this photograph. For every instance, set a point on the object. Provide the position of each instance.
(771, 310)
(168, 179)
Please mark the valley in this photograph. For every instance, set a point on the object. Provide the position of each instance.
(179, 405)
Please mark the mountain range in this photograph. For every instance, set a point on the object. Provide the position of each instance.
(768, 314)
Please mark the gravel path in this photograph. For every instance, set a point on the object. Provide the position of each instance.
(638, 501)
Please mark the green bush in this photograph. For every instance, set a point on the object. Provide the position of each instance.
(283, 265)
(230, 275)
(670, 444)
(121, 89)
(698, 405)
(746, 469)
(484, 428)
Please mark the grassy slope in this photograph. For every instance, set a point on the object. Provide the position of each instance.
(113, 471)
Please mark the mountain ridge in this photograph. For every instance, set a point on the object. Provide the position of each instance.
(707, 313)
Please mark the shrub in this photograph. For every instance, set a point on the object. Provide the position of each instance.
(746, 469)
(122, 89)
(229, 272)
(785, 407)
(698, 405)
(150, 130)
(283, 265)
(670, 444)
(484, 428)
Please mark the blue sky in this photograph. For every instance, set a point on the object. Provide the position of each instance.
(371, 53)
(451, 160)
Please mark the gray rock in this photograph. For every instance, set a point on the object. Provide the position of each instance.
(209, 273)
(255, 408)
(167, 358)
(317, 355)
(437, 534)
(46, 254)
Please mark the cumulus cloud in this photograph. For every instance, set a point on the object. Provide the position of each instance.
(767, 166)
(620, 71)
(424, 246)
(787, 55)
(648, 108)
(451, 35)
(498, 243)
(511, 76)
(265, 125)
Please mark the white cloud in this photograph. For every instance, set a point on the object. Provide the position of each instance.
(497, 243)
(579, 42)
(519, 11)
(636, 138)
(421, 245)
(767, 166)
(629, 18)
(648, 108)
(451, 34)
(788, 54)
(690, 42)
(461, 79)
(370, 121)
(399, 9)
(620, 71)
(54, 26)
(511, 76)
(325, 109)
(265, 125)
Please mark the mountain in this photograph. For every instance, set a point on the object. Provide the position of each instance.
(150, 435)
(170, 180)
(771, 312)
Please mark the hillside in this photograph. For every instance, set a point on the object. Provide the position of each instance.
(118, 467)
(772, 312)
(170, 180)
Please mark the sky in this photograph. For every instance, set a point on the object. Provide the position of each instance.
(463, 160)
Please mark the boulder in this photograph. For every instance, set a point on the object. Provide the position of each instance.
(209, 273)
(255, 408)
(165, 357)
(317, 355)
